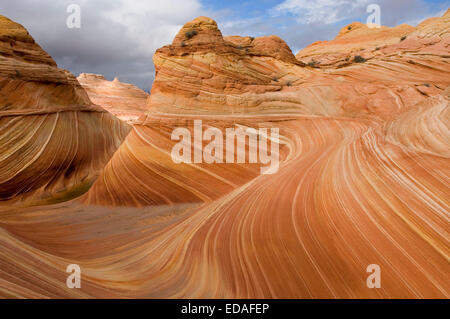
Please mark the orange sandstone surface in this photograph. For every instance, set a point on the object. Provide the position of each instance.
(123, 100)
(428, 42)
(363, 177)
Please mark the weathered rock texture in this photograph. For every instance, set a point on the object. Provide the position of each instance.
(125, 101)
(428, 42)
(363, 179)
(242, 75)
(53, 140)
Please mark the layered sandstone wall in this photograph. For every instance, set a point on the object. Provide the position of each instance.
(53, 140)
(429, 39)
(362, 179)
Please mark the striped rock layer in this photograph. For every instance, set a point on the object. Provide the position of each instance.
(427, 42)
(363, 179)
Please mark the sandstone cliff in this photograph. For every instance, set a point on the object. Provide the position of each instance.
(53, 140)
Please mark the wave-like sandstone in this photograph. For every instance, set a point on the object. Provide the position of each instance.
(125, 101)
(53, 140)
(363, 179)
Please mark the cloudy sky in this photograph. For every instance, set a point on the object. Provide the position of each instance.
(119, 37)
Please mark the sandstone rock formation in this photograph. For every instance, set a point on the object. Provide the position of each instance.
(363, 179)
(216, 75)
(364, 153)
(53, 140)
(382, 44)
(123, 100)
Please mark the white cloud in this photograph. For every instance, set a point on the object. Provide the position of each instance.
(323, 11)
(153, 23)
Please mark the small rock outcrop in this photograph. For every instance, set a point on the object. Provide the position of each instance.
(123, 100)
